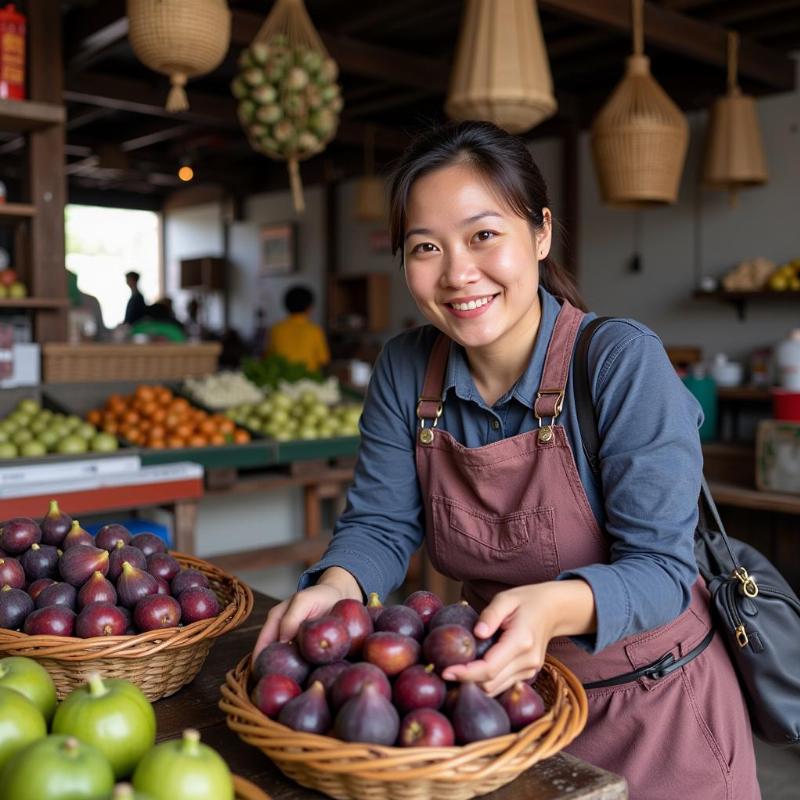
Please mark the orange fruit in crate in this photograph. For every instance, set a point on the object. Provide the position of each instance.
(197, 440)
(163, 395)
(159, 414)
(208, 426)
(175, 441)
(217, 439)
(130, 418)
(226, 425)
(241, 436)
(95, 417)
(145, 393)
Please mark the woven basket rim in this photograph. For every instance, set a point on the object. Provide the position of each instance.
(73, 648)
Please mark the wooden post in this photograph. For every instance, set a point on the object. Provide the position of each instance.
(570, 190)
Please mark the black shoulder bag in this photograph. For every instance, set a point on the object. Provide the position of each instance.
(754, 607)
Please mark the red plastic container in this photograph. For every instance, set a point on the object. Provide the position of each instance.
(786, 405)
(12, 54)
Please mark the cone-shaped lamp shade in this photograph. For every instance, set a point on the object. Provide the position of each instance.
(501, 71)
(370, 199)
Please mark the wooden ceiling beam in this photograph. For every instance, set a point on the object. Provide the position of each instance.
(158, 135)
(679, 33)
(736, 13)
(93, 33)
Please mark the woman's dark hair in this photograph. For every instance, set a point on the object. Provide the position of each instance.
(507, 165)
(298, 299)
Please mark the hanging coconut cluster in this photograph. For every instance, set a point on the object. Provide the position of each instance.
(289, 98)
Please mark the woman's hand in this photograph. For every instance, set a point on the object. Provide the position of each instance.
(284, 619)
(529, 616)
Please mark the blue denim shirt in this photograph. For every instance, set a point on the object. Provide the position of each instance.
(651, 463)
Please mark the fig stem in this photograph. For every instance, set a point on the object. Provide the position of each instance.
(96, 686)
(54, 511)
(191, 742)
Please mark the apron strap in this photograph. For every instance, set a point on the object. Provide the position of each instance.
(429, 405)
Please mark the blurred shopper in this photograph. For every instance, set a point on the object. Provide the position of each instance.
(297, 338)
(136, 307)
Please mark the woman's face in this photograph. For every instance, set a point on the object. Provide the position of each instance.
(471, 263)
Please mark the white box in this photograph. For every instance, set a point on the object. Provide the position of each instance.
(27, 366)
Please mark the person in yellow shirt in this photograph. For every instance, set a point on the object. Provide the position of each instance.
(297, 338)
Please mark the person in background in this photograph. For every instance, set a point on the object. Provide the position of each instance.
(136, 307)
(159, 323)
(297, 338)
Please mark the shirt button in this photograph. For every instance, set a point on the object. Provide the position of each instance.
(495, 424)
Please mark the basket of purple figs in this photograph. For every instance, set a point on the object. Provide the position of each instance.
(355, 706)
(116, 604)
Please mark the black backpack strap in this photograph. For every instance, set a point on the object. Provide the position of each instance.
(584, 407)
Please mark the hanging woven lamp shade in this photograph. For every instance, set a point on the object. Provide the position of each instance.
(501, 71)
(371, 189)
(734, 157)
(640, 136)
(179, 38)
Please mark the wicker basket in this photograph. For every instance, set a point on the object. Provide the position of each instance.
(374, 772)
(158, 662)
(248, 791)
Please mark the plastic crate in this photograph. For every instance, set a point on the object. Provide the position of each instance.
(135, 525)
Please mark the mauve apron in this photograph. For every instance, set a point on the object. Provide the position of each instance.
(515, 512)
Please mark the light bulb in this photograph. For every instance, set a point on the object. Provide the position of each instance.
(186, 173)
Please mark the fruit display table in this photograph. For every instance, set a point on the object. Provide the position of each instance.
(561, 777)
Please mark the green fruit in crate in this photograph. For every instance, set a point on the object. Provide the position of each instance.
(113, 716)
(57, 768)
(33, 449)
(21, 723)
(71, 444)
(28, 406)
(31, 679)
(104, 443)
(184, 769)
(85, 430)
(21, 436)
(8, 450)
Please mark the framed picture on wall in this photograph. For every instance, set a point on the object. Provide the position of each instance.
(278, 248)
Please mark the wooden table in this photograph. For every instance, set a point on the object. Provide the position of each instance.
(561, 777)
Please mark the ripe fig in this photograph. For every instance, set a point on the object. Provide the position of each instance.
(351, 681)
(40, 561)
(55, 525)
(328, 673)
(455, 614)
(418, 687)
(392, 652)
(307, 712)
(58, 594)
(75, 536)
(273, 692)
(523, 704)
(426, 727)
(357, 622)
(133, 584)
(108, 536)
(425, 603)
(403, 620)
(446, 645)
(197, 603)
(323, 640)
(156, 611)
(50, 621)
(78, 563)
(450, 699)
(187, 578)
(121, 552)
(97, 589)
(126, 612)
(148, 543)
(163, 565)
(163, 587)
(374, 606)
(11, 573)
(15, 606)
(36, 587)
(368, 717)
(100, 619)
(18, 534)
(477, 716)
(482, 646)
(281, 658)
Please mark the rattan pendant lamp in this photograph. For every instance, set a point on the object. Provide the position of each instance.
(371, 190)
(639, 138)
(501, 71)
(734, 157)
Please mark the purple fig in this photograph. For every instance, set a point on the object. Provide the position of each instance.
(121, 552)
(55, 525)
(281, 658)
(97, 589)
(108, 536)
(392, 652)
(352, 680)
(426, 727)
(163, 565)
(523, 704)
(368, 717)
(148, 543)
(11, 573)
(403, 620)
(76, 536)
(187, 578)
(36, 587)
(307, 712)
(328, 673)
(163, 587)
(446, 645)
(455, 614)
(156, 611)
(374, 606)
(482, 646)
(18, 534)
(58, 594)
(134, 584)
(100, 619)
(273, 692)
(418, 687)
(357, 622)
(50, 621)
(323, 640)
(40, 561)
(198, 603)
(126, 612)
(425, 603)
(15, 606)
(477, 716)
(78, 563)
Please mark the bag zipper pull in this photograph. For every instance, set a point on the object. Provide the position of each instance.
(748, 585)
(741, 636)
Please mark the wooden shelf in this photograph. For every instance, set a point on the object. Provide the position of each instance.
(17, 210)
(734, 494)
(745, 394)
(43, 303)
(741, 299)
(26, 115)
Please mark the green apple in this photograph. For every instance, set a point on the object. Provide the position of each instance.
(17, 290)
(85, 431)
(21, 436)
(29, 678)
(28, 406)
(21, 724)
(71, 444)
(8, 450)
(104, 443)
(33, 449)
